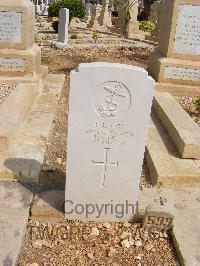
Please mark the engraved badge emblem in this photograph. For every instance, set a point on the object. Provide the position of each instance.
(111, 100)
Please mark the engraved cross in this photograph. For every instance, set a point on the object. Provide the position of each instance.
(105, 163)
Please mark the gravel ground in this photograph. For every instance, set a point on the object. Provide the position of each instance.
(190, 107)
(77, 243)
(5, 90)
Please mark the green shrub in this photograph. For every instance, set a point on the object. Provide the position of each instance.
(95, 35)
(76, 8)
(55, 25)
(73, 36)
(146, 26)
(197, 101)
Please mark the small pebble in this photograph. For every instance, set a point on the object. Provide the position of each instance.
(138, 244)
(90, 256)
(37, 244)
(125, 243)
(95, 231)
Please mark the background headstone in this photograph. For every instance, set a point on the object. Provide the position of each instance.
(109, 111)
(133, 26)
(176, 62)
(120, 21)
(155, 17)
(95, 13)
(154, 11)
(105, 16)
(19, 56)
(63, 26)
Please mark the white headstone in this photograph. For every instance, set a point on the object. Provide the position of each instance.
(45, 11)
(109, 110)
(63, 25)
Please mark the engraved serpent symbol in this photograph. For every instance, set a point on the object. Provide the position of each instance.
(110, 109)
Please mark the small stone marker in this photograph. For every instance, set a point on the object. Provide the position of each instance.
(63, 26)
(109, 110)
(176, 62)
(157, 219)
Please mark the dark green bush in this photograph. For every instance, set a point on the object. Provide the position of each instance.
(55, 25)
(76, 8)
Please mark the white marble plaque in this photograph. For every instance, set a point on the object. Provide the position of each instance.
(12, 64)
(10, 27)
(187, 37)
(180, 73)
(109, 110)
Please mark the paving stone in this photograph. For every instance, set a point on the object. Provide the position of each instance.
(49, 205)
(19, 102)
(25, 158)
(163, 160)
(184, 132)
(15, 201)
(184, 204)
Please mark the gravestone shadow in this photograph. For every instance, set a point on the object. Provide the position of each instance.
(20, 166)
(24, 170)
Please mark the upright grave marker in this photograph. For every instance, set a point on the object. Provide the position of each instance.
(109, 111)
(133, 25)
(176, 62)
(105, 15)
(63, 26)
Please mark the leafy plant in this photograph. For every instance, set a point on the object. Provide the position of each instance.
(146, 26)
(55, 25)
(76, 8)
(197, 101)
(95, 36)
(73, 36)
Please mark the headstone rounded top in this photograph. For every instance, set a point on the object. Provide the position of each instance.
(16, 24)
